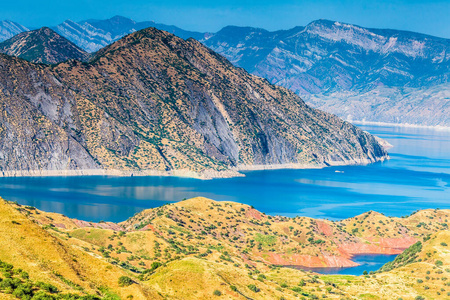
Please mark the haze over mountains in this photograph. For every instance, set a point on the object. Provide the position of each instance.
(354, 72)
(357, 73)
(92, 35)
(8, 29)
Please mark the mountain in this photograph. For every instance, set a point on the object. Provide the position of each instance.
(92, 35)
(205, 249)
(153, 101)
(42, 46)
(8, 29)
(326, 62)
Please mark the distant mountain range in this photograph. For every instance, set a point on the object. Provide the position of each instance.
(92, 35)
(8, 29)
(357, 73)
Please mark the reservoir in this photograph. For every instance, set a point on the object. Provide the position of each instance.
(416, 177)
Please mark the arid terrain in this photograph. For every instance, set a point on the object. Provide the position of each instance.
(203, 249)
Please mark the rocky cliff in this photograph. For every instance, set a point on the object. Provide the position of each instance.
(153, 101)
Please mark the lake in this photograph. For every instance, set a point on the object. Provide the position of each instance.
(416, 177)
(367, 262)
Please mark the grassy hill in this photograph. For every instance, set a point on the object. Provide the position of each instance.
(203, 249)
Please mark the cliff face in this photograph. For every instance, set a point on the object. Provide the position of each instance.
(42, 46)
(152, 101)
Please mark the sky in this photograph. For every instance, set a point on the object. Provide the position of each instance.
(425, 16)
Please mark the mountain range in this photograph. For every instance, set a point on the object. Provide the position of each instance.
(155, 102)
(357, 73)
(92, 35)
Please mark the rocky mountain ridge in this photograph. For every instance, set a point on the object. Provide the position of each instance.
(327, 62)
(92, 35)
(340, 68)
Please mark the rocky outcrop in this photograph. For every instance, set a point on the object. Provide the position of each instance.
(153, 101)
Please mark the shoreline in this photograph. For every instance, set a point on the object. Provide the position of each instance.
(407, 125)
(203, 175)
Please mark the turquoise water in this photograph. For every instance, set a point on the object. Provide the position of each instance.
(367, 262)
(417, 177)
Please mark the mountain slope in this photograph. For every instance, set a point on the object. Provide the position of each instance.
(42, 46)
(153, 101)
(92, 35)
(8, 29)
(330, 60)
(54, 261)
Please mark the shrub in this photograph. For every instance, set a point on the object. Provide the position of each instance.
(261, 277)
(217, 293)
(125, 281)
(233, 288)
(155, 265)
(253, 288)
(439, 263)
(47, 287)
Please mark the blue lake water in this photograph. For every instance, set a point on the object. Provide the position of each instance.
(366, 262)
(416, 177)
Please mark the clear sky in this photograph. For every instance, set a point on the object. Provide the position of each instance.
(426, 16)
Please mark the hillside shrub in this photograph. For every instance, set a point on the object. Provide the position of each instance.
(125, 281)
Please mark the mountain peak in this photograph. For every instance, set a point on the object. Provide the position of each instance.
(42, 45)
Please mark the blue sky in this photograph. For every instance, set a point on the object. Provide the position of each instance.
(430, 17)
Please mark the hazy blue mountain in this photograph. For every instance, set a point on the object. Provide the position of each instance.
(331, 60)
(8, 29)
(92, 35)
